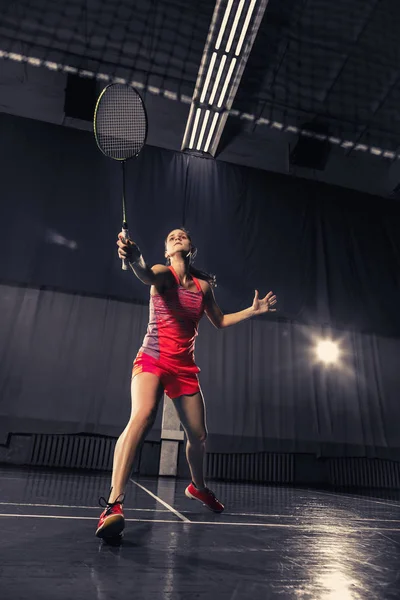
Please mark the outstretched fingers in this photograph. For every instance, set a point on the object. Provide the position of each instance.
(270, 298)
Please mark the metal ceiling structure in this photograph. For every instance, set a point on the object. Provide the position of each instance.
(316, 68)
(233, 29)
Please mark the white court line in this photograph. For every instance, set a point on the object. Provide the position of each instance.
(83, 518)
(178, 514)
(161, 510)
(335, 495)
(339, 495)
(77, 506)
(308, 517)
(326, 528)
(335, 528)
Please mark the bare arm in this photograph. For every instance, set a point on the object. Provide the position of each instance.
(220, 321)
(149, 275)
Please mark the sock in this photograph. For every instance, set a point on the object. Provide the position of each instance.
(197, 488)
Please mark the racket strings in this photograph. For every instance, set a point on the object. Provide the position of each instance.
(121, 124)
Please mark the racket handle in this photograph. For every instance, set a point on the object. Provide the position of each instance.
(125, 264)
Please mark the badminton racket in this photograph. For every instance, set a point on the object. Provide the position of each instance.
(120, 129)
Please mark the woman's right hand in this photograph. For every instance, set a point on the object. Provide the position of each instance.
(127, 249)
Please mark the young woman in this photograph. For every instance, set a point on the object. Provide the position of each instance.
(179, 296)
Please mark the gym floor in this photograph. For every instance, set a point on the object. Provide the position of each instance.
(271, 541)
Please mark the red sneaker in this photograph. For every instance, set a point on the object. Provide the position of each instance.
(206, 497)
(112, 520)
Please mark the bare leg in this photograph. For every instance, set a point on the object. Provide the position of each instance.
(191, 412)
(146, 392)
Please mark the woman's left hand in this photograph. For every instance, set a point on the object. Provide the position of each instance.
(263, 305)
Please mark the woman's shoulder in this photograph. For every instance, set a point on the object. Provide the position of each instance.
(164, 280)
(205, 286)
(160, 269)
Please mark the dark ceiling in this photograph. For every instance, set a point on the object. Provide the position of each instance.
(323, 66)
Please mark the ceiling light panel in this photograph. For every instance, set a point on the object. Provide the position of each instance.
(233, 28)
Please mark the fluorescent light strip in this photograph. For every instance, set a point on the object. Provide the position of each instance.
(245, 26)
(223, 25)
(205, 120)
(211, 132)
(234, 26)
(217, 80)
(196, 120)
(209, 73)
(227, 80)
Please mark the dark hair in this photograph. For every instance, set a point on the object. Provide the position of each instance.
(211, 279)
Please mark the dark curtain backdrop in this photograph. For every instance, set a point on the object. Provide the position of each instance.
(71, 321)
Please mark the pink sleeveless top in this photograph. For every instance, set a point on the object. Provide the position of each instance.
(173, 323)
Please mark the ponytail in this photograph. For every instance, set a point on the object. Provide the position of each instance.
(211, 279)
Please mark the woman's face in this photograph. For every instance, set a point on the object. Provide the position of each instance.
(177, 241)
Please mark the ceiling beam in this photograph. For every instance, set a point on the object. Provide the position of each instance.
(232, 32)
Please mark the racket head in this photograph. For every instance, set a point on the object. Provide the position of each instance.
(120, 122)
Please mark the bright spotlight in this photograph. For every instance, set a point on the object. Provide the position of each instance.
(327, 351)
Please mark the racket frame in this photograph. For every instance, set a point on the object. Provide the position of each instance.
(125, 231)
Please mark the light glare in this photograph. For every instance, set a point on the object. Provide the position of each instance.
(327, 351)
